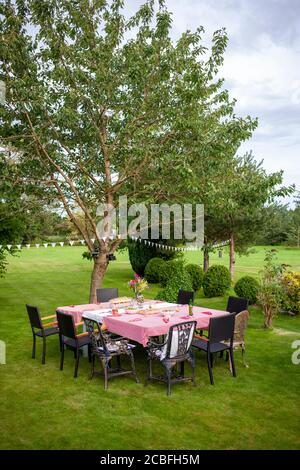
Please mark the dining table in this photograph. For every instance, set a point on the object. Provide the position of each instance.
(139, 325)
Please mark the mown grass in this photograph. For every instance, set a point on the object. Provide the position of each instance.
(43, 408)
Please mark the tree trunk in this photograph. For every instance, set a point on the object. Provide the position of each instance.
(231, 256)
(268, 314)
(205, 259)
(99, 269)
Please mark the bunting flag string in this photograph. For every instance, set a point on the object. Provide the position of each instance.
(136, 239)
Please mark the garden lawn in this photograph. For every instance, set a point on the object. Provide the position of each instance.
(44, 408)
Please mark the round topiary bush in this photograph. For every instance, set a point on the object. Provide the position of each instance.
(170, 292)
(153, 269)
(248, 288)
(140, 253)
(196, 273)
(216, 281)
(170, 270)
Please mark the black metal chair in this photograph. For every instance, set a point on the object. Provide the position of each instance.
(106, 347)
(71, 339)
(185, 297)
(39, 329)
(236, 304)
(176, 349)
(106, 294)
(220, 338)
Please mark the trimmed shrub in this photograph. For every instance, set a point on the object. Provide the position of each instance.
(170, 270)
(153, 268)
(140, 253)
(196, 273)
(170, 292)
(291, 286)
(248, 288)
(216, 281)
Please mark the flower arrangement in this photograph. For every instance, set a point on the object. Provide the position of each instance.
(138, 284)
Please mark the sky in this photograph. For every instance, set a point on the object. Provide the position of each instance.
(261, 69)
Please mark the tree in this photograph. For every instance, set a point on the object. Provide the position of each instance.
(271, 293)
(276, 224)
(93, 114)
(238, 208)
(294, 228)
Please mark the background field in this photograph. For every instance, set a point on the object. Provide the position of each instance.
(42, 407)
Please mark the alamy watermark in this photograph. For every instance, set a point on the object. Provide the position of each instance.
(154, 221)
(296, 353)
(2, 92)
(2, 352)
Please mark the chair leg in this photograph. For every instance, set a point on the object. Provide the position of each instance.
(92, 366)
(221, 354)
(210, 368)
(76, 363)
(89, 353)
(193, 373)
(33, 346)
(149, 371)
(168, 374)
(105, 369)
(44, 350)
(133, 367)
(118, 362)
(62, 355)
(243, 356)
(232, 362)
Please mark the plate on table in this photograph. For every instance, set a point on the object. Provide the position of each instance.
(169, 311)
(131, 310)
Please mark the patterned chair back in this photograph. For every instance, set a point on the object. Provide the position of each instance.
(94, 330)
(180, 339)
(241, 322)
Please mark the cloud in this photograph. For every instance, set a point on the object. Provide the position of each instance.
(261, 70)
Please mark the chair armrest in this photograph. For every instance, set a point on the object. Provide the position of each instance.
(82, 334)
(153, 345)
(48, 318)
(118, 338)
(79, 324)
(203, 338)
(49, 325)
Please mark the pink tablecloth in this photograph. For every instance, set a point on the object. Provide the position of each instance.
(140, 328)
(78, 310)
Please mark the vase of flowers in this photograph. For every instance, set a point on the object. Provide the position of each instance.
(138, 285)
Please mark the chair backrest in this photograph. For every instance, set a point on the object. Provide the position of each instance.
(185, 297)
(221, 328)
(240, 325)
(236, 304)
(180, 339)
(106, 294)
(66, 324)
(98, 338)
(34, 316)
